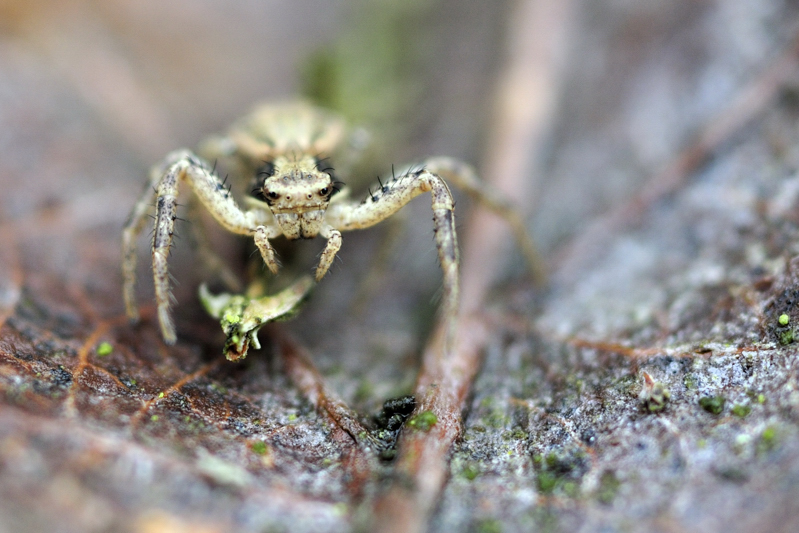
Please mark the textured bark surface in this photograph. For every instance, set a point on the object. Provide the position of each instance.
(664, 201)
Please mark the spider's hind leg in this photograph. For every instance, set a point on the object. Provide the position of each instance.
(130, 234)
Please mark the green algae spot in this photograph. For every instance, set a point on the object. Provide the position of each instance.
(712, 404)
(608, 487)
(784, 319)
(104, 349)
(489, 525)
(740, 410)
(654, 395)
(546, 481)
(470, 471)
(423, 421)
(259, 447)
(768, 440)
(231, 318)
(559, 474)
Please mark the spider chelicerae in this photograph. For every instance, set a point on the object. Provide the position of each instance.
(286, 150)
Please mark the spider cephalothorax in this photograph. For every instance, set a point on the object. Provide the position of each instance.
(286, 146)
(298, 194)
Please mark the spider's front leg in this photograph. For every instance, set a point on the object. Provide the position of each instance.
(463, 177)
(388, 200)
(332, 247)
(179, 166)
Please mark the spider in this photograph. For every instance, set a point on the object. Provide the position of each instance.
(286, 147)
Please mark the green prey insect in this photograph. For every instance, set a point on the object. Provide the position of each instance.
(285, 149)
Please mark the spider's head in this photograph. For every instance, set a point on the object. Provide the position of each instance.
(298, 194)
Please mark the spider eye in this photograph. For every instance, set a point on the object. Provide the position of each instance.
(272, 194)
(323, 191)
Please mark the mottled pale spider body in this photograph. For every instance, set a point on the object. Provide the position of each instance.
(285, 149)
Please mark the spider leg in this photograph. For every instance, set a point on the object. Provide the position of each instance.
(465, 178)
(389, 199)
(133, 228)
(179, 166)
(332, 247)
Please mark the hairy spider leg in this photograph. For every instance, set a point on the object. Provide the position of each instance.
(332, 247)
(391, 198)
(133, 228)
(463, 177)
(183, 165)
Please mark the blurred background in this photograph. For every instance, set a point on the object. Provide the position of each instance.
(94, 92)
